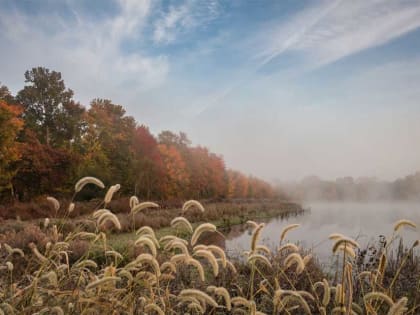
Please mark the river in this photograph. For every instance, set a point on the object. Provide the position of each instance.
(362, 221)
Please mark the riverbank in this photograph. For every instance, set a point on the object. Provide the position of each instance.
(223, 214)
(84, 273)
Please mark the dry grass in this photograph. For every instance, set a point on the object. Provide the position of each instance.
(67, 269)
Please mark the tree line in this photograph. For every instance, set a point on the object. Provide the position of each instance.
(48, 140)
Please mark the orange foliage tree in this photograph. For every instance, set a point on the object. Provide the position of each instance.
(10, 125)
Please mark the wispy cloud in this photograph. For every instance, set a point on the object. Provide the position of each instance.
(181, 18)
(88, 52)
(330, 31)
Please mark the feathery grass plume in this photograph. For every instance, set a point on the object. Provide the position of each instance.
(146, 276)
(211, 288)
(288, 246)
(348, 250)
(146, 230)
(346, 242)
(199, 246)
(166, 277)
(46, 222)
(336, 236)
(176, 244)
(287, 229)
(210, 258)
(168, 265)
(256, 236)
(327, 293)
(349, 283)
(152, 236)
(87, 263)
(147, 258)
(192, 204)
(99, 212)
(338, 294)
(70, 209)
(306, 294)
(231, 266)
(200, 295)
(252, 224)
(109, 216)
(204, 227)
(114, 254)
(83, 235)
(146, 241)
(399, 224)
(179, 258)
(196, 264)
(238, 301)
(289, 296)
(144, 205)
(101, 282)
(11, 251)
(382, 266)
(196, 307)
(292, 259)
(219, 252)
(264, 249)
(9, 266)
(307, 259)
(399, 308)
(322, 311)
(181, 222)
(126, 274)
(134, 201)
(54, 202)
(152, 307)
(189, 299)
(88, 180)
(37, 254)
(375, 295)
(110, 193)
(258, 257)
(169, 238)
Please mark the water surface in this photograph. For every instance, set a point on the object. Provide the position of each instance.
(362, 221)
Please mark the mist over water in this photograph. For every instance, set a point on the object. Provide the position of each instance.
(362, 221)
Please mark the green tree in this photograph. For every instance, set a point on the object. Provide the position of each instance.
(49, 109)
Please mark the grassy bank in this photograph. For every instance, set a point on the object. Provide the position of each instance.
(158, 265)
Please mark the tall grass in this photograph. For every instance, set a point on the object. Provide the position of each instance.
(177, 274)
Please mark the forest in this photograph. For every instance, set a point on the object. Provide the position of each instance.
(48, 140)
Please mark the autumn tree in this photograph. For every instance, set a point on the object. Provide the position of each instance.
(207, 174)
(107, 143)
(176, 177)
(42, 169)
(237, 184)
(10, 125)
(49, 109)
(148, 167)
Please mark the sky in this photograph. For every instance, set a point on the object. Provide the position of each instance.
(281, 89)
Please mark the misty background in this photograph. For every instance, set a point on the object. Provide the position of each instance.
(281, 89)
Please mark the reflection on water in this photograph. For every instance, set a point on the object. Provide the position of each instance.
(364, 222)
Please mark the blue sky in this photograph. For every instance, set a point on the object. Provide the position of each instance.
(283, 89)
